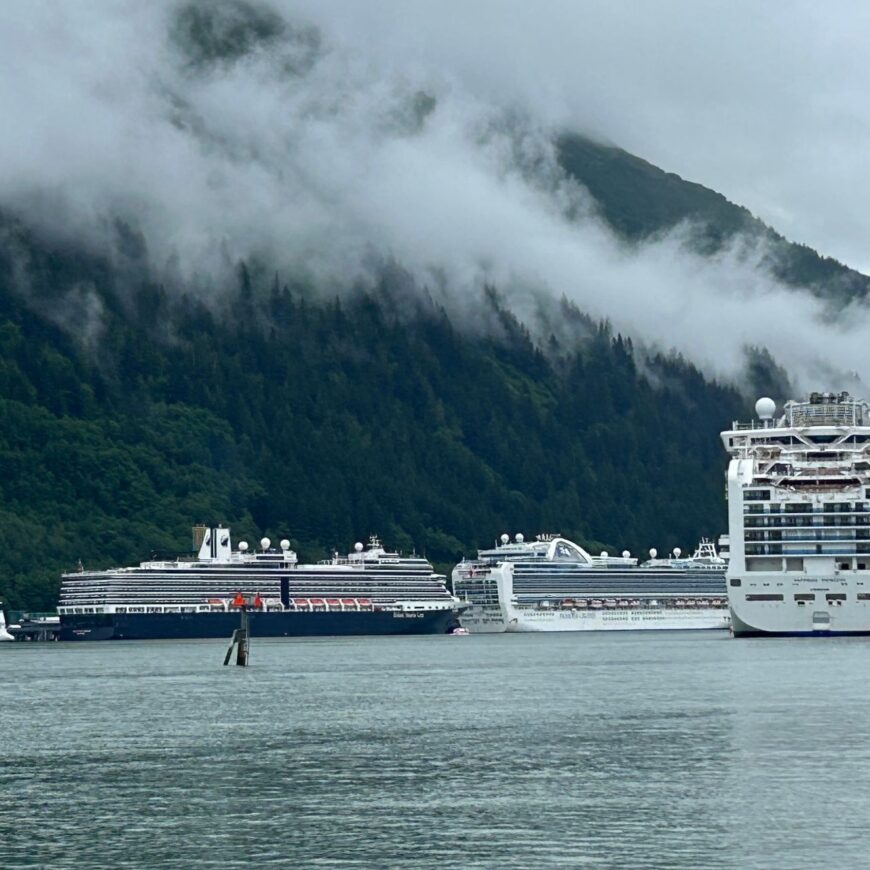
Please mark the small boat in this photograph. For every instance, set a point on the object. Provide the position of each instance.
(459, 630)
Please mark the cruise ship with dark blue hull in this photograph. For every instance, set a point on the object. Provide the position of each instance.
(190, 626)
(370, 592)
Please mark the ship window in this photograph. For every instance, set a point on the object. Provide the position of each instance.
(764, 596)
(568, 553)
(736, 581)
(760, 563)
(805, 596)
(862, 566)
(757, 495)
(794, 564)
(836, 596)
(864, 596)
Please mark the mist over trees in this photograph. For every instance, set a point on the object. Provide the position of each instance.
(128, 415)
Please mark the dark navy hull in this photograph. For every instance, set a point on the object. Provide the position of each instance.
(190, 626)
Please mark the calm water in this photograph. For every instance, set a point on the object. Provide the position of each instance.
(638, 750)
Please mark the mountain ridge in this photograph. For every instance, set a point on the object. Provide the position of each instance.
(639, 200)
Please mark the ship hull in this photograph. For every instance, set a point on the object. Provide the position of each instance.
(772, 621)
(641, 619)
(193, 626)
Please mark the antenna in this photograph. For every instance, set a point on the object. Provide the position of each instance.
(765, 409)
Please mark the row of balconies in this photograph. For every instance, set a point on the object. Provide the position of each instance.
(810, 535)
(781, 522)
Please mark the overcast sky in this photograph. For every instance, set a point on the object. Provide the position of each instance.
(317, 154)
(768, 103)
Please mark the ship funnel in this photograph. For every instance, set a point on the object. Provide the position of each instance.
(216, 545)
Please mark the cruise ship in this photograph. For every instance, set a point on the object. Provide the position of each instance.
(799, 518)
(372, 591)
(552, 584)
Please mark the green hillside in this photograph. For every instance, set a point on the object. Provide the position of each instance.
(640, 200)
(128, 415)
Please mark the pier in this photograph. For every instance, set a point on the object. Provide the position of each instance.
(35, 627)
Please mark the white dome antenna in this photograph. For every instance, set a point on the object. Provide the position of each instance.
(677, 552)
(626, 554)
(653, 552)
(265, 543)
(765, 409)
(243, 546)
(519, 538)
(358, 547)
(505, 538)
(285, 544)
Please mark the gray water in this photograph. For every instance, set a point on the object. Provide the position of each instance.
(639, 750)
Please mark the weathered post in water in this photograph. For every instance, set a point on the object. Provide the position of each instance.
(241, 638)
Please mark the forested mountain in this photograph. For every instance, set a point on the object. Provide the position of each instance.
(639, 200)
(325, 421)
(131, 412)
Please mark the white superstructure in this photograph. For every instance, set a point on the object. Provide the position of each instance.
(552, 584)
(799, 518)
(367, 579)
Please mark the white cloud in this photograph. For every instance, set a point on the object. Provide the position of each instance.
(317, 170)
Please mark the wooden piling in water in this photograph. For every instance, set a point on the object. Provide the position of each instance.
(241, 640)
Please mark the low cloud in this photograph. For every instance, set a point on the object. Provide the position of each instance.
(186, 137)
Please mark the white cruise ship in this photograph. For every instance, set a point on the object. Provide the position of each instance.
(799, 518)
(552, 584)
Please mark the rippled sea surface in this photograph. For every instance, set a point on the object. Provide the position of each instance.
(656, 749)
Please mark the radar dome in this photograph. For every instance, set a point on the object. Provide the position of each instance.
(285, 544)
(505, 538)
(653, 552)
(358, 547)
(765, 408)
(625, 554)
(677, 552)
(265, 543)
(243, 546)
(604, 554)
(519, 538)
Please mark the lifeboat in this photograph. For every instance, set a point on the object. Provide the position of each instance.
(581, 603)
(333, 602)
(318, 602)
(596, 602)
(610, 602)
(301, 602)
(349, 602)
(634, 602)
(365, 602)
(568, 602)
(622, 603)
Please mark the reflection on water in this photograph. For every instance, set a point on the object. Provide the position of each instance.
(657, 749)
